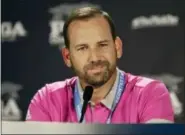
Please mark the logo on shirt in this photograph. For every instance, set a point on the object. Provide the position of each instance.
(59, 14)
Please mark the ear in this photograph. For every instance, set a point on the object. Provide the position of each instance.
(66, 56)
(119, 46)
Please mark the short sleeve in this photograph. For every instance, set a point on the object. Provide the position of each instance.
(37, 108)
(155, 103)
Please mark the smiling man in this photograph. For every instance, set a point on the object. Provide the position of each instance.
(92, 50)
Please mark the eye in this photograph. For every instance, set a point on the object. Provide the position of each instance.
(82, 48)
(103, 45)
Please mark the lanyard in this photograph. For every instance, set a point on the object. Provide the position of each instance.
(119, 91)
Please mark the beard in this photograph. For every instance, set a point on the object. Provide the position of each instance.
(96, 79)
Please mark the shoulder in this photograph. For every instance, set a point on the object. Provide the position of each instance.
(54, 90)
(142, 84)
(149, 98)
(49, 100)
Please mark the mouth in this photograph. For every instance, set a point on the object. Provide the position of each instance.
(95, 70)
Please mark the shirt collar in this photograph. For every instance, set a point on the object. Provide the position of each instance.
(108, 100)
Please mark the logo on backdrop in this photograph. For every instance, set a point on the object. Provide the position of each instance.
(154, 21)
(11, 31)
(172, 82)
(59, 14)
(9, 95)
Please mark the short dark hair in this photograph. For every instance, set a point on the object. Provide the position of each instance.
(86, 13)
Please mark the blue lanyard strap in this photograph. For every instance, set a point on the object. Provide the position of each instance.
(119, 91)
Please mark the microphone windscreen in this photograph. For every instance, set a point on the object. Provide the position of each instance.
(88, 93)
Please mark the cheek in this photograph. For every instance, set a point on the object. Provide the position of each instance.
(111, 55)
(77, 62)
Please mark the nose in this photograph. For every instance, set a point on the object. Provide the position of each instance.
(94, 55)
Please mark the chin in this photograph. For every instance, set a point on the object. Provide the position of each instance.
(97, 83)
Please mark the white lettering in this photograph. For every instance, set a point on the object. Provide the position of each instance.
(177, 105)
(154, 21)
(59, 12)
(10, 111)
(10, 32)
(19, 30)
(55, 36)
(6, 29)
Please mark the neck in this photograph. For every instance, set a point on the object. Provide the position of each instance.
(101, 92)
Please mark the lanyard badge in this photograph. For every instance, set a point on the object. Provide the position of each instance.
(119, 91)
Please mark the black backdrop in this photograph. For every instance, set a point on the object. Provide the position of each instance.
(152, 32)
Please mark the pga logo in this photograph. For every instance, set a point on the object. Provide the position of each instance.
(59, 14)
(10, 110)
(10, 31)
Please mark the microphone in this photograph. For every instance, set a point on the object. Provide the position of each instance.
(86, 97)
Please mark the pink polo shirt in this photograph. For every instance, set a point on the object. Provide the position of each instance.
(143, 99)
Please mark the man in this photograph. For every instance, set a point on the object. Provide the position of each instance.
(92, 50)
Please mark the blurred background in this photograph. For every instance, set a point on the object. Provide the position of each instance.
(31, 35)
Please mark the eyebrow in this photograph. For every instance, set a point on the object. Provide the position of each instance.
(103, 41)
(79, 45)
(85, 44)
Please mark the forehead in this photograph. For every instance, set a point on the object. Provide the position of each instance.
(95, 27)
(97, 19)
